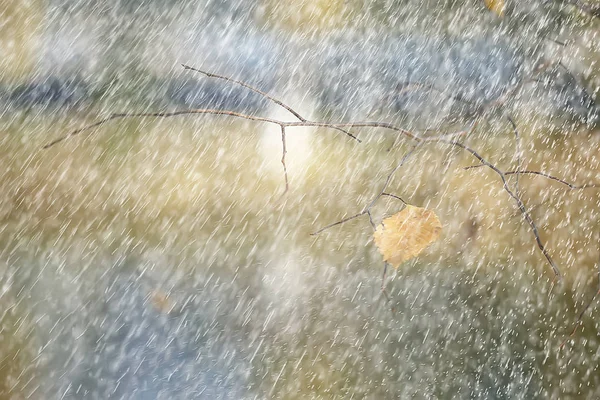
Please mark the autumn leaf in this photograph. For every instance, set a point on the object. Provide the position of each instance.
(497, 6)
(406, 234)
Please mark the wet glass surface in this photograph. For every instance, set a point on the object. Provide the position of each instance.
(158, 258)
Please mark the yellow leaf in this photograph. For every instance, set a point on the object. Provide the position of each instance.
(497, 6)
(406, 234)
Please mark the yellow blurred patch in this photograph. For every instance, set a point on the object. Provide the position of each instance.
(20, 23)
(496, 6)
(306, 15)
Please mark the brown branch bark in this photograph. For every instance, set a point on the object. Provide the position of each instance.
(446, 139)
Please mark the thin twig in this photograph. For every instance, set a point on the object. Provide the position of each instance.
(484, 162)
(570, 185)
(360, 214)
(164, 114)
(260, 92)
(339, 126)
(517, 147)
(588, 305)
(517, 200)
(367, 209)
(545, 175)
(285, 173)
(403, 87)
(394, 196)
(247, 86)
(388, 180)
(371, 220)
(168, 114)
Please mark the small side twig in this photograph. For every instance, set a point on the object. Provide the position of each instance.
(553, 178)
(521, 206)
(263, 94)
(284, 152)
(545, 175)
(447, 139)
(371, 220)
(518, 201)
(394, 197)
(587, 306)
(367, 209)
(518, 151)
(247, 86)
(404, 87)
(163, 114)
(360, 214)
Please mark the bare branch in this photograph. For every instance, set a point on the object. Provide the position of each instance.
(260, 92)
(391, 174)
(473, 167)
(247, 86)
(517, 200)
(444, 139)
(165, 114)
(384, 125)
(168, 114)
(337, 127)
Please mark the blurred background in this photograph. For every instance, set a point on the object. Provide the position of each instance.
(157, 258)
